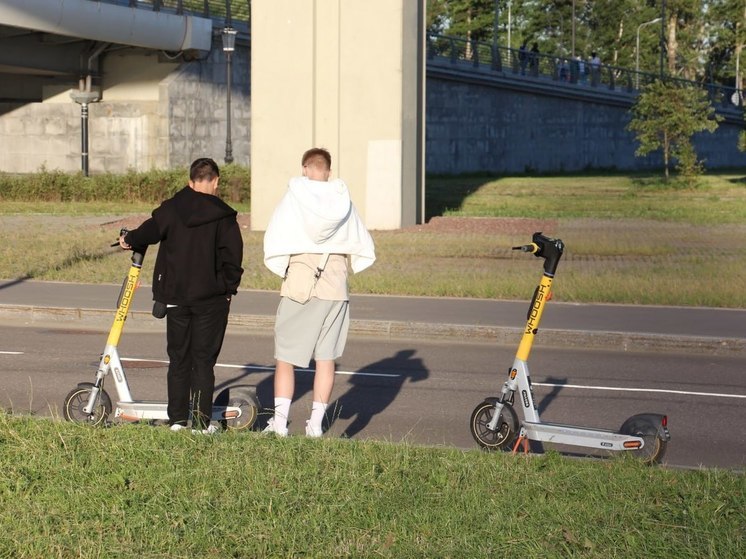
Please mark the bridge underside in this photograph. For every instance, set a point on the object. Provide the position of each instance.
(59, 41)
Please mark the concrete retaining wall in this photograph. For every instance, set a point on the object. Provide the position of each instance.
(514, 126)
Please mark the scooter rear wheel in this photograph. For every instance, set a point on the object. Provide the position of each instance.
(655, 447)
(76, 400)
(507, 427)
(245, 399)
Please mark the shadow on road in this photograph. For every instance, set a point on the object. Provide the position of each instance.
(372, 394)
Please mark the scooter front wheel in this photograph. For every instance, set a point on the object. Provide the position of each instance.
(76, 400)
(507, 426)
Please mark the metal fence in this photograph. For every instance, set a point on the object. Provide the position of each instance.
(570, 71)
(230, 10)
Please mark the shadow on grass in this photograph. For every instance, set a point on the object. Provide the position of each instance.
(78, 256)
(449, 192)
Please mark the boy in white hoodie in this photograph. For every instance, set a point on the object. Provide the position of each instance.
(315, 226)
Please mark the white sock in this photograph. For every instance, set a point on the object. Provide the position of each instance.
(282, 411)
(317, 414)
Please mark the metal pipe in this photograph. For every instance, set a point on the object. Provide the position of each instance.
(637, 50)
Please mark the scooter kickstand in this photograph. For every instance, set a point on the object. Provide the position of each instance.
(522, 440)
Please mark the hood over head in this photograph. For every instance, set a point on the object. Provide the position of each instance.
(196, 208)
(322, 207)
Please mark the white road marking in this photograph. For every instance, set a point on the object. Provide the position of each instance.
(549, 384)
(11, 353)
(270, 368)
(657, 390)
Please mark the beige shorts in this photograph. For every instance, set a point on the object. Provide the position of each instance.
(316, 329)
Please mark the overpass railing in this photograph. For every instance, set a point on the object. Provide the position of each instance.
(225, 9)
(570, 71)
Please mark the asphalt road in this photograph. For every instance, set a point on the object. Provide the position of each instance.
(422, 392)
(628, 327)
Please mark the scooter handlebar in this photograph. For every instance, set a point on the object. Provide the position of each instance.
(527, 248)
(544, 247)
(122, 231)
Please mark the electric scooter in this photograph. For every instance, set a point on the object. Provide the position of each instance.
(494, 423)
(236, 407)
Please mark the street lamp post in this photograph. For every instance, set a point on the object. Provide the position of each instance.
(83, 97)
(510, 24)
(637, 50)
(229, 45)
(663, 33)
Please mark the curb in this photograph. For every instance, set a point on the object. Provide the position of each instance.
(391, 329)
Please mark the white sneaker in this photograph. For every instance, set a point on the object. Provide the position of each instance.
(177, 427)
(211, 430)
(271, 428)
(313, 432)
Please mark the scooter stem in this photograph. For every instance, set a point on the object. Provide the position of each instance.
(551, 251)
(126, 295)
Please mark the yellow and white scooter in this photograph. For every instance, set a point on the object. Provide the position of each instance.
(494, 423)
(236, 407)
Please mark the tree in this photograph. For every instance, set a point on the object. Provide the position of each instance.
(727, 39)
(665, 117)
(469, 19)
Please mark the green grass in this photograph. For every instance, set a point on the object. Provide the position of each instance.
(719, 198)
(137, 491)
(605, 261)
(628, 240)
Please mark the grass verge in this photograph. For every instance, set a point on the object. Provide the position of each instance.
(628, 240)
(137, 491)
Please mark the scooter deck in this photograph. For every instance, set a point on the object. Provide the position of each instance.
(141, 409)
(581, 436)
(149, 409)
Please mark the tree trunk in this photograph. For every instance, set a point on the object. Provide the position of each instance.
(672, 44)
(666, 149)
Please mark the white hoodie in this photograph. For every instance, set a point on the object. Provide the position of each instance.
(316, 217)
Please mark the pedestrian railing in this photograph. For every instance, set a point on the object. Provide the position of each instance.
(571, 71)
(226, 9)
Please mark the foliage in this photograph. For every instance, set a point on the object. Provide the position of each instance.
(134, 491)
(150, 187)
(702, 39)
(726, 28)
(471, 19)
(665, 117)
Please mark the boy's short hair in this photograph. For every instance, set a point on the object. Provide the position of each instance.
(203, 169)
(317, 156)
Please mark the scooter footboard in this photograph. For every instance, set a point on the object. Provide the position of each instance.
(581, 436)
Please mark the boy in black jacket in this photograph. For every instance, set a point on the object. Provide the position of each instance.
(197, 270)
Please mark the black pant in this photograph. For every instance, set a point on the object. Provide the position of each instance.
(195, 335)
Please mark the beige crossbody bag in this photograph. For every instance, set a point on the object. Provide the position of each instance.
(300, 283)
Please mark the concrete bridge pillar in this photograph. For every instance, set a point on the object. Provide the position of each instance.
(348, 76)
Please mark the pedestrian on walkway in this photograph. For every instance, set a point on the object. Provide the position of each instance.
(595, 64)
(313, 234)
(534, 59)
(197, 271)
(523, 57)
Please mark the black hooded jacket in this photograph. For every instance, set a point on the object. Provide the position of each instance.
(199, 259)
